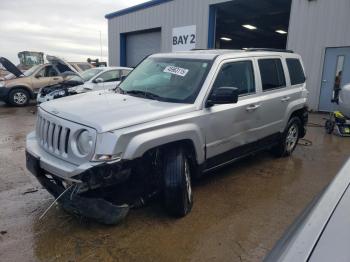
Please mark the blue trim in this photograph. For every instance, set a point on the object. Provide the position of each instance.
(211, 27)
(122, 49)
(136, 8)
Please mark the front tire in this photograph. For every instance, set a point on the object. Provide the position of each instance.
(19, 97)
(290, 138)
(178, 198)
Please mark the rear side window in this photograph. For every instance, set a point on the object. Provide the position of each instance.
(296, 71)
(237, 74)
(272, 75)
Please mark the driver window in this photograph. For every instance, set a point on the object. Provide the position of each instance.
(237, 74)
(110, 76)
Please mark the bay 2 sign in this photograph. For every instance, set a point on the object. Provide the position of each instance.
(184, 38)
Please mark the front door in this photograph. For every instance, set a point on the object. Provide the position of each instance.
(336, 73)
(230, 126)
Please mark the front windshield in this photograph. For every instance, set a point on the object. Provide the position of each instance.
(88, 74)
(167, 79)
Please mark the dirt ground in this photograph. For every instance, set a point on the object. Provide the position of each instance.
(238, 215)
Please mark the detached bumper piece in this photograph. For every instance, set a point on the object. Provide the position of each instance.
(97, 209)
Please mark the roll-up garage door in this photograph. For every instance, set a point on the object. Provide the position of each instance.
(140, 45)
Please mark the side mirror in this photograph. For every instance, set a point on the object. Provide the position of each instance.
(122, 78)
(99, 80)
(223, 95)
(38, 76)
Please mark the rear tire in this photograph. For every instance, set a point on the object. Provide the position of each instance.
(289, 139)
(19, 97)
(178, 198)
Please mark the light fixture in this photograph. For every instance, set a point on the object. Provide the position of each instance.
(282, 32)
(226, 39)
(250, 27)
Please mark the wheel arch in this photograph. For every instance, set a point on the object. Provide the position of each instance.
(26, 88)
(187, 135)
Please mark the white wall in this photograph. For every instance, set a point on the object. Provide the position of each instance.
(314, 26)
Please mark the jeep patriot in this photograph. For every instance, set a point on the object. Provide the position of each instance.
(174, 118)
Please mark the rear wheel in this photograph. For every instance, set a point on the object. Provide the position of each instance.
(178, 196)
(19, 97)
(289, 140)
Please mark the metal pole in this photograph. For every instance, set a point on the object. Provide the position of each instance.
(101, 45)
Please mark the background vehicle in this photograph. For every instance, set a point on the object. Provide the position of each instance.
(19, 87)
(175, 117)
(322, 232)
(28, 59)
(101, 78)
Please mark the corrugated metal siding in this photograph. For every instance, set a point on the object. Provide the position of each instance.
(313, 27)
(167, 16)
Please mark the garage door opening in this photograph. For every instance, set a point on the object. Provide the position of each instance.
(249, 24)
(138, 45)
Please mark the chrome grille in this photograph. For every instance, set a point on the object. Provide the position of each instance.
(52, 136)
(57, 136)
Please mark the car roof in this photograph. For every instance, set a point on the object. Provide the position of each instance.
(213, 53)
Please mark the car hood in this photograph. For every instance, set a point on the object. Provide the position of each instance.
(10, 67)
(66, 67)
(107, 110)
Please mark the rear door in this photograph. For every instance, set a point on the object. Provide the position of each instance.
(275, 95)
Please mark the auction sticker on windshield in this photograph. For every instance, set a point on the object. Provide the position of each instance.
(176, 70)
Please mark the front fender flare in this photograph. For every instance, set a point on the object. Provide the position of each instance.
(141, 143)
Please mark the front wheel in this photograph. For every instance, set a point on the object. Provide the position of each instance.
(178, 196)
(19, 97)
(289, 139)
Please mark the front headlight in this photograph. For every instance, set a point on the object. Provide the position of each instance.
(84, 143)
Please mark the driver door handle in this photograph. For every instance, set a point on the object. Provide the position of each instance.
(56, 78)
(252, 107)
(285, 99)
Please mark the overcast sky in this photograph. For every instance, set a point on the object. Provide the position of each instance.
(66, 28)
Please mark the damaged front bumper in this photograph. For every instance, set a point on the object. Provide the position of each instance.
(74, 192)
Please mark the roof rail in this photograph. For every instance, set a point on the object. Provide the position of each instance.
(268, 49)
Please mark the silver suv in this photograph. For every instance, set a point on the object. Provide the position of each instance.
(174, 118)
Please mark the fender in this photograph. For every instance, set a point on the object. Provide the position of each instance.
(28, 89)
(141, 143)
(292, 107)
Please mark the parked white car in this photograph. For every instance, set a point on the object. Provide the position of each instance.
(99, 78)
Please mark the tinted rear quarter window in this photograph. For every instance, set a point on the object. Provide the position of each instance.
(296, 72)
(272, 75)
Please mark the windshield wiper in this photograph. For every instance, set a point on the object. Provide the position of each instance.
(144, 94)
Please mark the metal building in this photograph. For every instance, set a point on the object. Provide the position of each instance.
(317, 29)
